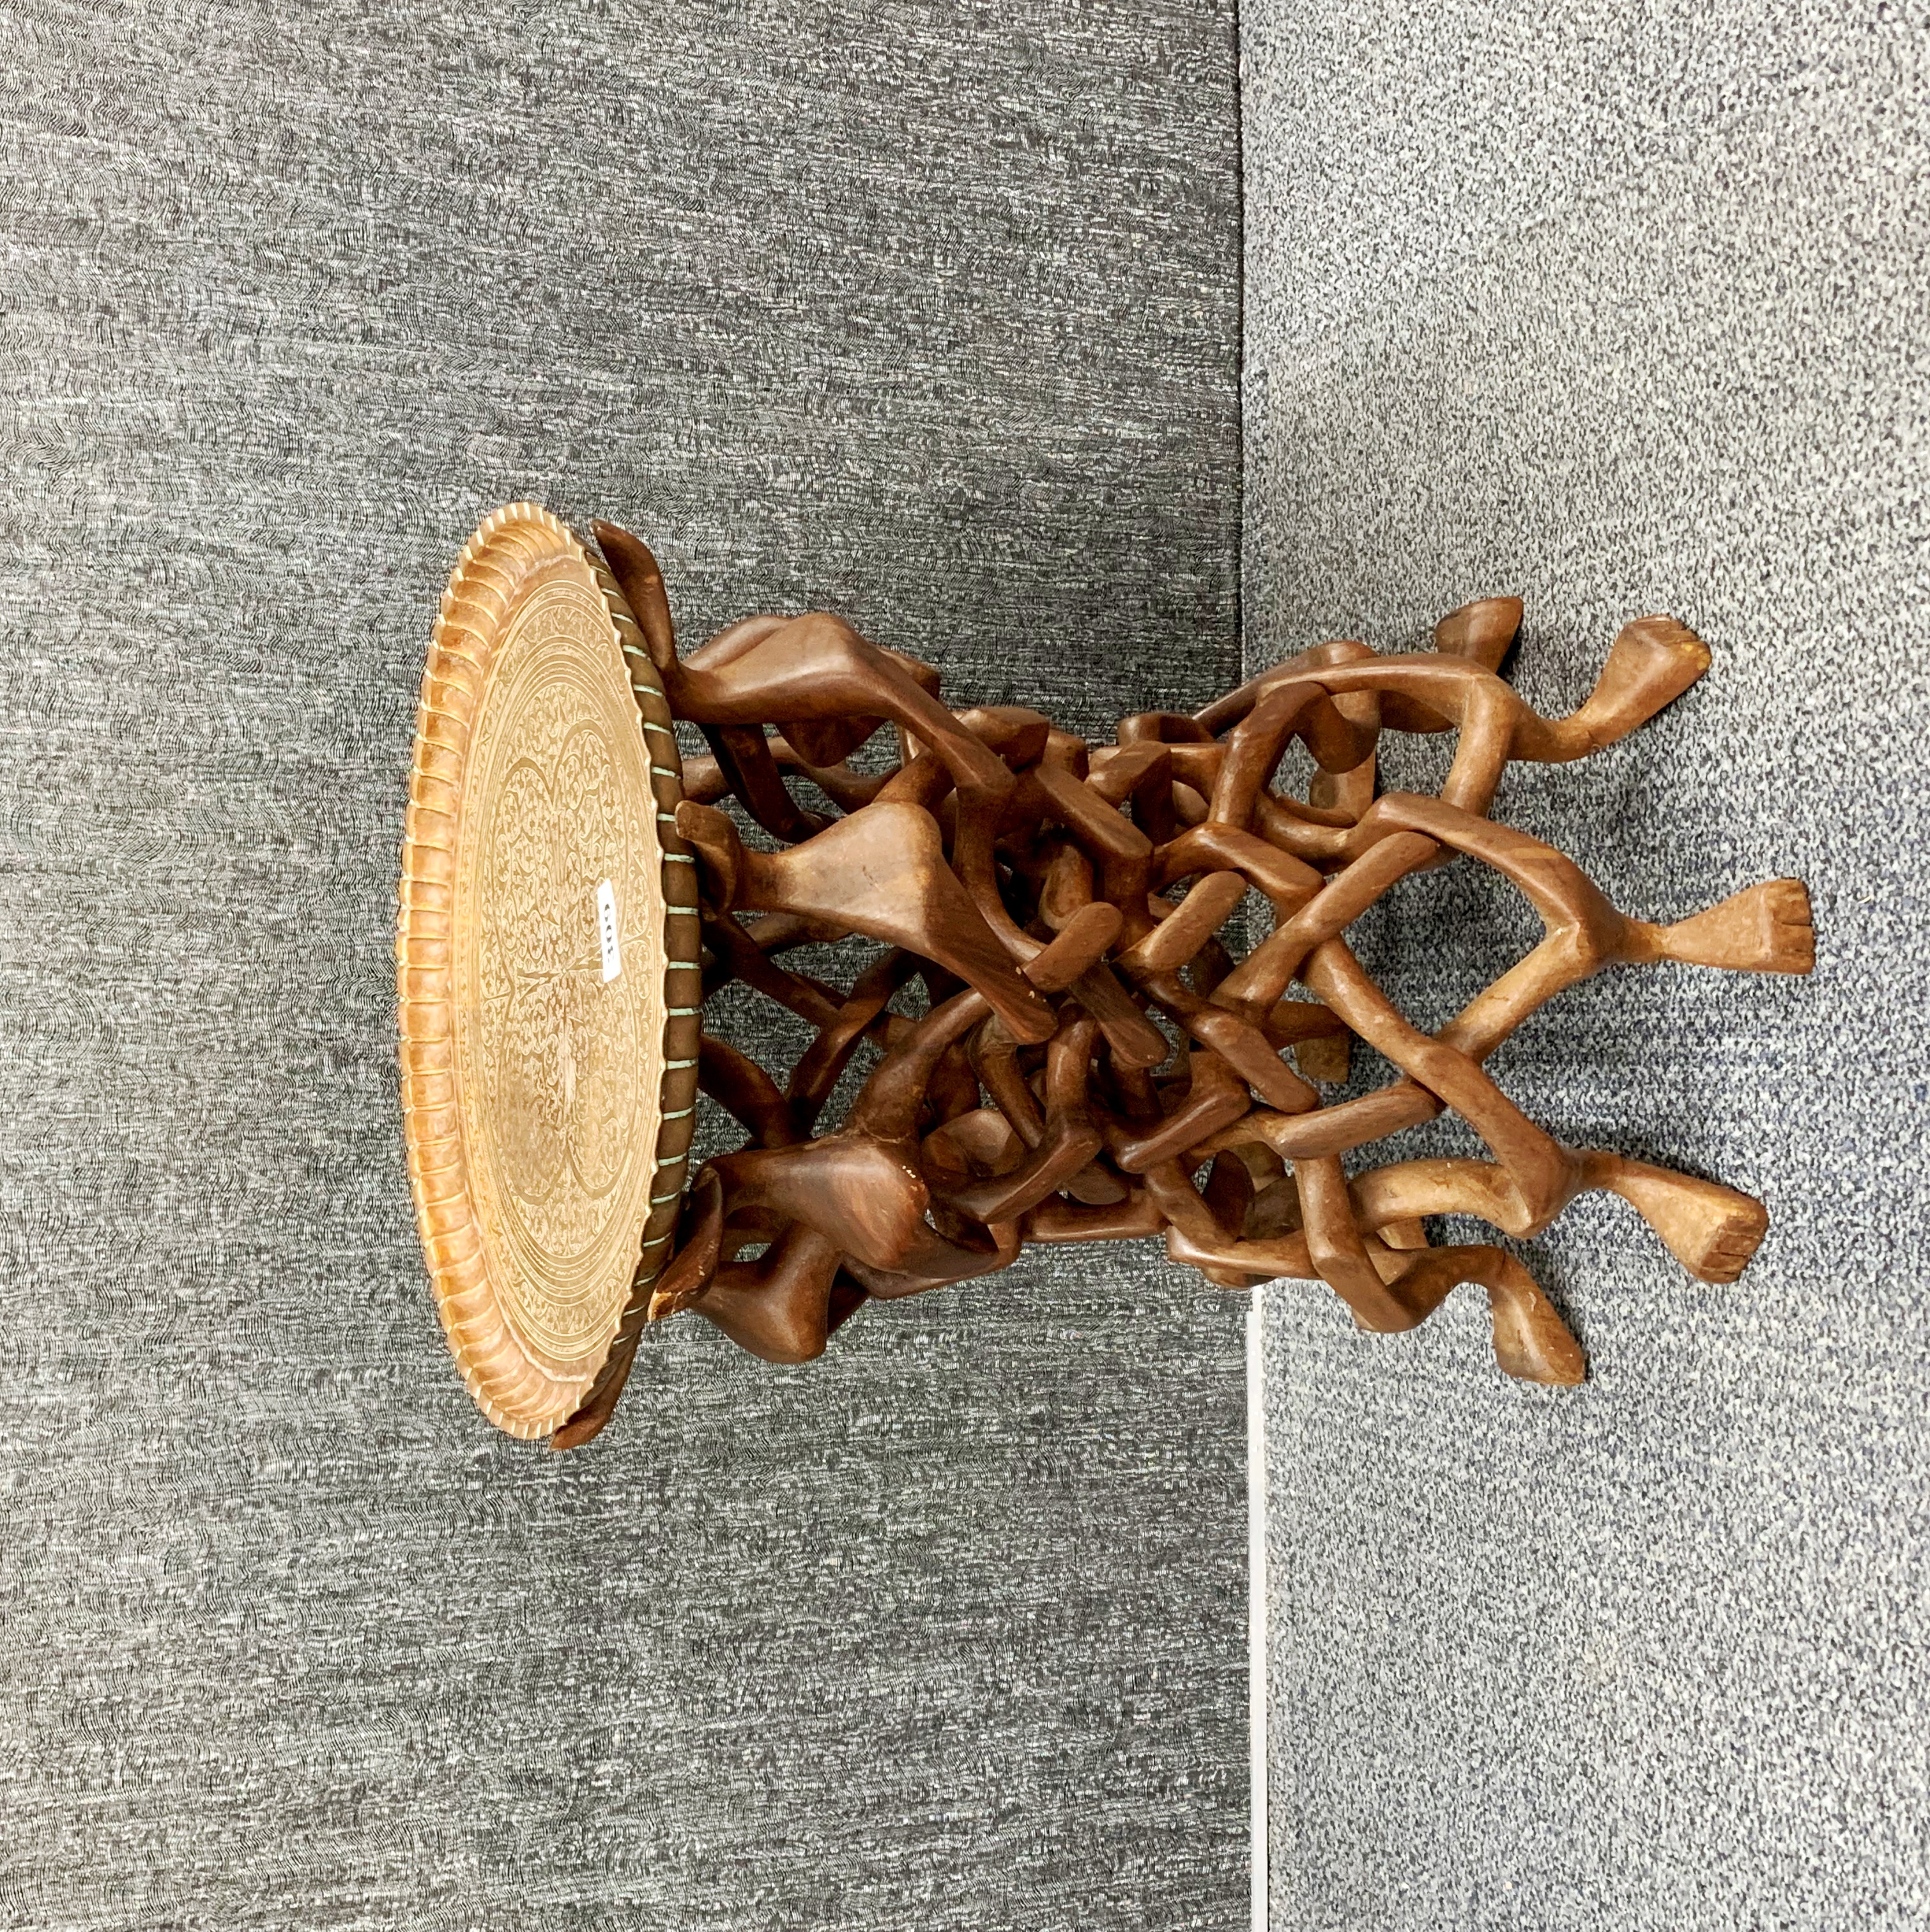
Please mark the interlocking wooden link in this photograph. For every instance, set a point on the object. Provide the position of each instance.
(1057, 899)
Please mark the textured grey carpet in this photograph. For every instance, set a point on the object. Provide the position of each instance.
(1623, 310)
(926, 313)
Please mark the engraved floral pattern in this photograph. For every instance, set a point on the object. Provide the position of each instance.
(552, 1054)
(534, 1092)
(558, 1046)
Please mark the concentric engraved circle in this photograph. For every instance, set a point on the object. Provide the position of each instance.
(535, 950)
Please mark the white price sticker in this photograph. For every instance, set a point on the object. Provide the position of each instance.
(606, 930)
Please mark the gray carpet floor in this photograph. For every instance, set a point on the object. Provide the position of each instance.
(1621, 310)
(927, 314)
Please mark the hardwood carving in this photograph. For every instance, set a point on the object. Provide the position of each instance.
(1088, 1058)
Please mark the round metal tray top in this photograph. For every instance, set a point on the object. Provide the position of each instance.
(546, 964)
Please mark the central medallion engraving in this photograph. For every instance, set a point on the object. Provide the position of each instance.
(557, 1063)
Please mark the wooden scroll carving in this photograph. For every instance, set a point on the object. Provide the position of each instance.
(1090, 1059)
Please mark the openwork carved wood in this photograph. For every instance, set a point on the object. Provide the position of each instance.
(1093, 1059)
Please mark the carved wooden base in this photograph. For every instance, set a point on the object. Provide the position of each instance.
(1095, 1060)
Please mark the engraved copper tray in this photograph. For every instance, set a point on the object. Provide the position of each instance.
(546, 969)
